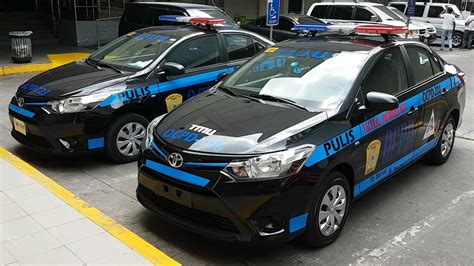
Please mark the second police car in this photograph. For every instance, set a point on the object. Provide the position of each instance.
(106, 100)
(281, 147)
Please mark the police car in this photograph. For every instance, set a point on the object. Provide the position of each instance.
(106, 100)
(281, 147)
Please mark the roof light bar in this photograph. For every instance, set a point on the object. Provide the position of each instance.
(210, 21)
(381, 29)
(347, 28)
(174, 18)
(311, 27)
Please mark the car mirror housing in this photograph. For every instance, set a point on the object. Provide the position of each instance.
(222, 75)
(172, 69)
(379, 101)
(374, 18)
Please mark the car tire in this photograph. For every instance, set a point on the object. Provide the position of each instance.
(335, 184)
(457, 39)
(441, 152)
(124, 136)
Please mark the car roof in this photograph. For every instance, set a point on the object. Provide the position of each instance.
(349, 4)
(176, 4)
(180, 31)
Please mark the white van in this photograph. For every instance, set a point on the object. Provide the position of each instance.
(429, 12)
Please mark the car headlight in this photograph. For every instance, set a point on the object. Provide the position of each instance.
(149, 132)
(273, 165)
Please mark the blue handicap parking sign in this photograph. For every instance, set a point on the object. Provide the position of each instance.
(273, 12)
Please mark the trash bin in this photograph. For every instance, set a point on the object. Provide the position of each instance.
(21, 51)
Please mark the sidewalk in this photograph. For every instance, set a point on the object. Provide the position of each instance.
(45, 57)
(38, 227)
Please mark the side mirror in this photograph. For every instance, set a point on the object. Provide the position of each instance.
(222, 75)
(374, 18)
(379, 101)
(172, 69)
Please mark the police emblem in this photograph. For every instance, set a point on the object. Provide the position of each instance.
(372, 156)
(173, 101)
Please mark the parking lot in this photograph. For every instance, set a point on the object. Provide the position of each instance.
(424, 215)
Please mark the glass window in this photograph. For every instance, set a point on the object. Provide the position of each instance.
(285, 24)
(420, 63)
(388, 75)
(342, 12)
(239, 46)
(319, 11)
(153, 16)
(134, 14)
(262, 22)
(258, 46)
(198, 52)
(133, 51)
(435, 11)
(318, 79)
(400, 7)
(211, 13)
(419, 10)
(437, 66)
(363, 14)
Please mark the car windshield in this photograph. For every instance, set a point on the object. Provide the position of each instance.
(133, 51)
(316, 79)
(211, 13)
(400, 15)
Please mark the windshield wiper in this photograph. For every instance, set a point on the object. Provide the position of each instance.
(100, 63)
(278, 99)
(233, 93)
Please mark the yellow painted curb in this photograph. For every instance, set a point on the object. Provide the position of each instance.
(129, 238)
(56, 60)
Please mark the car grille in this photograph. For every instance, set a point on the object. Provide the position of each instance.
(210, 221)
(32, 140)
(422, 31)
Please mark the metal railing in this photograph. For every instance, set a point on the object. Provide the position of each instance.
(100, 30)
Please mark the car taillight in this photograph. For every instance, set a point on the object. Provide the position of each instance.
(462, 77)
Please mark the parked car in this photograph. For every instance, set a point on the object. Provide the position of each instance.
(429, 13)
(139, 15)
(280, 148)
(362, 12)
(282, 31)
(431, 33)
(105, 101)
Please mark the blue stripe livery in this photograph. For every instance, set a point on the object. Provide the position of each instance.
(168, 86)
(381, 175)
(95, 143)
(177, 174)
(298, 222)
(206, 164)
(21, 111)
(356, 133)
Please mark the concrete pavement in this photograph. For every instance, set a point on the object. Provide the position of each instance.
(424, 215)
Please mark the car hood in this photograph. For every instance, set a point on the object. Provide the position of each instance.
(70, 79)
(215, 122)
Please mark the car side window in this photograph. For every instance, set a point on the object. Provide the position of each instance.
(363, 14)
(420, 63)
(434, 11)
(258, 46)
(342, 12)
(319, 11)
(388, 74)
(152, 17)
(198, 52)
(419, 10)
(285, 24)
(134, 14)
(400, 7)
(437, 66)
(262, 22)
(239, 46)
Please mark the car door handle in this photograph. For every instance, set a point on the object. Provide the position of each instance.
(412, 110)
(444, 91)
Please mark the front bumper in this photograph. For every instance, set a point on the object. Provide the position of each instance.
(56, 133)
(258, 211)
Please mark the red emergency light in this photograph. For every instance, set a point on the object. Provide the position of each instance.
(207, 21)
(381, 29)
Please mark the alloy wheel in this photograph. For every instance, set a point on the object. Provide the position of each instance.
(129, 138)
(447, 140)
(332, 210)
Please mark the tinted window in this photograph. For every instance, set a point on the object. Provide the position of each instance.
(262, 22)
(419, 10)
(202, 51)
(342, 12)
(258, 46)
(319, 11)
(285, 24)
(363, 14)
(239, 46)
(437, 66)
(420, 63)
(135, 14)
(399, 7)
(153, 15)
(388, 75)
(434, 11)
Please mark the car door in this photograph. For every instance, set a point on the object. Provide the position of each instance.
(203, 60)
(419, 13)
(282, 31)
(427, 77)
(432, 16)
(363, 14)
(240, 47)
(387, 138)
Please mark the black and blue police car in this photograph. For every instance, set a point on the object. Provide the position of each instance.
(281, 147)
(106, 100)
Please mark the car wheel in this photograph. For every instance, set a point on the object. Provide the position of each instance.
(328, 211)
(441, 152)
(124, 138)
(457, 39)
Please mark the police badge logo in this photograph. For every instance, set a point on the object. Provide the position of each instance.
(173, 101)
(372, 156)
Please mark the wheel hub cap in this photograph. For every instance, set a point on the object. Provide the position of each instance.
(447, 140)
(332, 210)
(129, 138)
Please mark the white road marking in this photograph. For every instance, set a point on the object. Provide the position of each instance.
(389, 248)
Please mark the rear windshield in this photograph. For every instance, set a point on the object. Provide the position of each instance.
(316, 79)
(211, 13)
(133, 51)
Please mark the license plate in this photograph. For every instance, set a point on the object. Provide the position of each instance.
(164, 190)
(19, 126)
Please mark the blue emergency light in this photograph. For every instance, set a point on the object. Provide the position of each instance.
(174, 18)
(311, 27)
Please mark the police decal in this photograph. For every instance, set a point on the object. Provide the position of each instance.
(430, 129)
(173, 101)
(372, 156)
